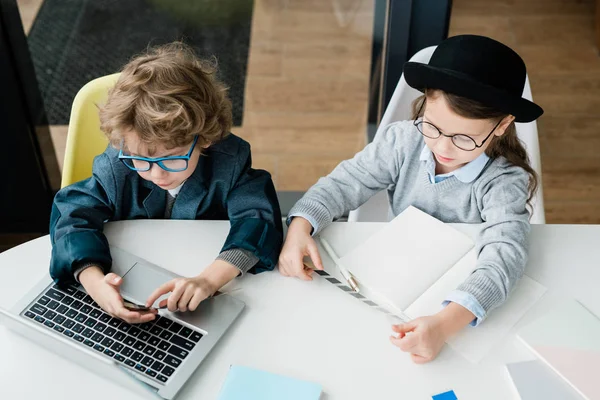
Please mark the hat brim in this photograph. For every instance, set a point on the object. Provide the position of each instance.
(422, 76)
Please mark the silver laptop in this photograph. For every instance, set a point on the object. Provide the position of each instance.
(158, 356)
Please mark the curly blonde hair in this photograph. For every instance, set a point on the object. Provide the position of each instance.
(167, 96)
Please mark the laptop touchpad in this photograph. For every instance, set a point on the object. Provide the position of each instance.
(142, 280)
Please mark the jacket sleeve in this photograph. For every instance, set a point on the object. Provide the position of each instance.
(76, 223)
(254, 214)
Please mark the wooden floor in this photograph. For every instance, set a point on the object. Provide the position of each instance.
(307, 88)
(556, 38)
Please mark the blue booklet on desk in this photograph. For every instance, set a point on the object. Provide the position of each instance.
(244, 383)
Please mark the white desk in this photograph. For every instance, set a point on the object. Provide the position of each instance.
(309, 330)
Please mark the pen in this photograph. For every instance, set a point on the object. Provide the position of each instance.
(349, 278)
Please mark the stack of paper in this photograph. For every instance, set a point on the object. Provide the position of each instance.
(535, 381)
(567, 339)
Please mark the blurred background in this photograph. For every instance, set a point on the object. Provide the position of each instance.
(309, 80)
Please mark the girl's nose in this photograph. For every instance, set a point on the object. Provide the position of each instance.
(444, 145)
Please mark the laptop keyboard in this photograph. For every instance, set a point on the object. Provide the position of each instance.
(155, 349)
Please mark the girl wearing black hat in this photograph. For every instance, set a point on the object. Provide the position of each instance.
(460, 161)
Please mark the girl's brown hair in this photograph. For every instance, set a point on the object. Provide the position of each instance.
(167, 96)
(508, 145)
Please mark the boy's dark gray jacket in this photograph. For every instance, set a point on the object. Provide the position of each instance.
(223, 186)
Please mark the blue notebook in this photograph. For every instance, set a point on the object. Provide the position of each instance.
(245, 383)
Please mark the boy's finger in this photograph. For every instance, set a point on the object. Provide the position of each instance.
(313, 252)
(141, 318)
(174, 298)
(187, 295)
(134, 317)
(162, 289)
(196, 300)
(113, 279)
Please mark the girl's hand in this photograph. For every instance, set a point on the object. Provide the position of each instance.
(299, 244)
(424, 337)
(105, 291)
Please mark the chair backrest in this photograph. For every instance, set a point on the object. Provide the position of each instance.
(85, 140)
(399, 109)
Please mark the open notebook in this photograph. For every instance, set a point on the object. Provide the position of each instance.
(411, 265)
(567, 339)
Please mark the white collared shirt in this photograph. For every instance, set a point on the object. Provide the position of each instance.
(467, 173)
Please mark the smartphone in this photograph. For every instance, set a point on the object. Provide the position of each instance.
(135, 307)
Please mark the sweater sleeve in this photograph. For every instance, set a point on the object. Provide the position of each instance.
(502, 244)
(353, 181)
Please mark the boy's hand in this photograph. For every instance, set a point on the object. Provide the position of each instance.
(188, 293)
(299, 244)
(105, 291)
(424, 337)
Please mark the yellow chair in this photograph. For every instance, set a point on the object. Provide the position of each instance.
(85, 140)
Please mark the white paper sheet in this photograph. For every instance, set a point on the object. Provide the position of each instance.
(474, 343)
(567, 339)
(407, 256)
(534, 381)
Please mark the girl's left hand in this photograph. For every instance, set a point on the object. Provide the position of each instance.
(423, 338)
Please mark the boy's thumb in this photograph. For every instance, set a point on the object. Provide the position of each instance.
(113, 279)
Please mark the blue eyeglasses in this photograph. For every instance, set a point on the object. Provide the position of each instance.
(169, 164)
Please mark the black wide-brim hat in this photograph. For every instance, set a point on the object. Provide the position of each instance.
(480, 69)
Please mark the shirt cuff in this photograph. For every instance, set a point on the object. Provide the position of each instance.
(239, 258)
(311, 221)
(81, 268)
(469, 302)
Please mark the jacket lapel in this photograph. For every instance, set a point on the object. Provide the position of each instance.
(155, 201)
(192, 193)
(188, 200)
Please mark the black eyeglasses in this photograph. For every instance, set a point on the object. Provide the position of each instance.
(463, 142)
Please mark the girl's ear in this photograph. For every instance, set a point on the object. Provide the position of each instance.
(504, 125)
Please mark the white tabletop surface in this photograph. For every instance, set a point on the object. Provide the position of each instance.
(308, 330)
